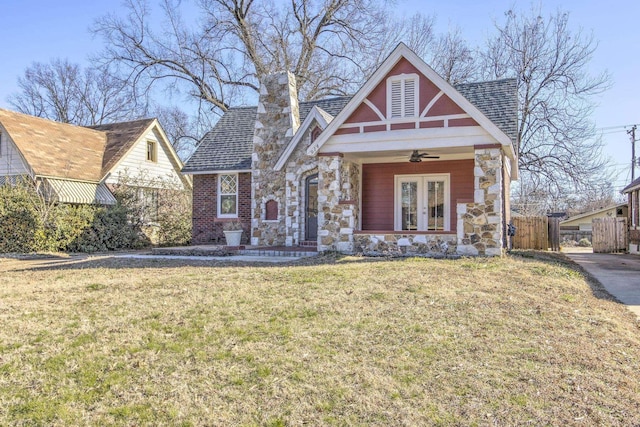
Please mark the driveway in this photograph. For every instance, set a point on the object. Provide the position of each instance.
(618, 273)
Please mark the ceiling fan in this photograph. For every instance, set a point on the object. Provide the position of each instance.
(417, 157)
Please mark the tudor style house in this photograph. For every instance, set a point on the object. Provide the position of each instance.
(408, 164)
(79, 165)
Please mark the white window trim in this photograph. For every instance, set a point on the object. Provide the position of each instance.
(154, 155)
(219, 196)
(421, 178)
(416, 94)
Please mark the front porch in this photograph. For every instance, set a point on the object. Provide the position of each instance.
(438, 208)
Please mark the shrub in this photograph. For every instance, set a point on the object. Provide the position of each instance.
(109, 230)
(19, 221)
(160, 206)
(584, 242)
(29, 223)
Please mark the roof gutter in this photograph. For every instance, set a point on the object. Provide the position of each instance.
(215, 172)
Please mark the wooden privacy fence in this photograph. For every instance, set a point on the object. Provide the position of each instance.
(536, 232)
(609, 235)
(532, 232)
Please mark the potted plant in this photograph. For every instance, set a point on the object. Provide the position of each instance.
(232, 232)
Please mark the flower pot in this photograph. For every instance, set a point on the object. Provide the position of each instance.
(233, 237)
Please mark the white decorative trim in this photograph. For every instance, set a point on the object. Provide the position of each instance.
(409, 139)
(375, 109)
(399, 120)
(399, 52)
(430, 104)
(314, 115)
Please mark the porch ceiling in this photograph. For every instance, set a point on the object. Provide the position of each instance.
(402, 155)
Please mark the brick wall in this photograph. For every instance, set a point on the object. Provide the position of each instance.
(207, 228)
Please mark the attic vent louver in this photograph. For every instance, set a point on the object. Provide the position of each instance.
(402, 93)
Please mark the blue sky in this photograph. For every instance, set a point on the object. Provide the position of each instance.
(39, 30)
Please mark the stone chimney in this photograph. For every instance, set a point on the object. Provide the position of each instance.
(277, 120)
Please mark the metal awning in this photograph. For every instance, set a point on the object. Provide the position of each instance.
(68, 191)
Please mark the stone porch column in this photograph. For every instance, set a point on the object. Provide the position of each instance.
(480, 223)
(337, 203)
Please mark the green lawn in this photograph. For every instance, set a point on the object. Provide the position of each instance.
(346, 341)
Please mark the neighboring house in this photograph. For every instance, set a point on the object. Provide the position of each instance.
(633, 208)
(582, 222)
(409, 163)
(75, 164)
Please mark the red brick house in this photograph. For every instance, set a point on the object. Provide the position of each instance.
(408, 164)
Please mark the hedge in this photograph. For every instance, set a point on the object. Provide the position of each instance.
(28, 223)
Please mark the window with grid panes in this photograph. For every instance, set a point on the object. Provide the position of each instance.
(228, 196)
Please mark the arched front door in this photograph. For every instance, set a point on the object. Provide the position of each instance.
(311, 203)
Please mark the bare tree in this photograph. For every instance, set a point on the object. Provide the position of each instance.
(453, 58)
(220, 61)
(556, 137)
(182, 130)
(62, 91)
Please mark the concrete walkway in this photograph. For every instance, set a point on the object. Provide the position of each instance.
(618, 273)
(240, 258)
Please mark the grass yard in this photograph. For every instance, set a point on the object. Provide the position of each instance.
(330, 341)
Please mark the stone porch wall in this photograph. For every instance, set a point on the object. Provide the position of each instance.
(338, 203)
(431, 245)
(480, 225)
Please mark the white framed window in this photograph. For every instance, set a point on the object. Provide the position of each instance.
(228, 196)
(422, 202)
(152, 150)
(402, 96)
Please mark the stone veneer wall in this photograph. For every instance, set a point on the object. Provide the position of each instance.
(480, 223)
(298, 168)
(206, 227)
(338, 203)
(276, 121)
(431, 245)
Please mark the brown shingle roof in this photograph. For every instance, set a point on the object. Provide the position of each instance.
(56, 149)
(120, 138)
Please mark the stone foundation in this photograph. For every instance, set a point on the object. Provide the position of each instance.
(431, 245)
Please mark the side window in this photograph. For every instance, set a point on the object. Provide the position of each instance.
(152, 151)
(228, 196)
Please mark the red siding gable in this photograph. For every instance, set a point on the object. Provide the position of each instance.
(428, 91)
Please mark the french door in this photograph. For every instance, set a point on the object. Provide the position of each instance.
(422, 203)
